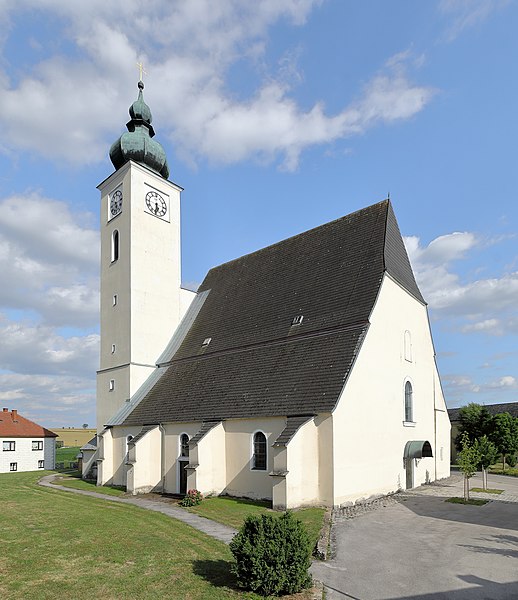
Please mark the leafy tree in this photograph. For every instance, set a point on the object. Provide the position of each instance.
(85, 425)
(487, 454)
(468, 459)
(476, 421)
(505, 435)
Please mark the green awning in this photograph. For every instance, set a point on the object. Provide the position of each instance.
(418, 449)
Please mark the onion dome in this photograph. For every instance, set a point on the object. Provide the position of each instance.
(137, 143)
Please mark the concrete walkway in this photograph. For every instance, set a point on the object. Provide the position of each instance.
(219, 531)
(421, 547)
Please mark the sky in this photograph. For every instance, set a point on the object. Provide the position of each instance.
(276, 117)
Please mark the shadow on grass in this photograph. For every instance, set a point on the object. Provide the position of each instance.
(246, 501)
(215, 572)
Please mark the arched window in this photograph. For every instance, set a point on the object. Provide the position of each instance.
(115, 246)
(259, 452)
(408, 346)
(184, 446)
(409, 408)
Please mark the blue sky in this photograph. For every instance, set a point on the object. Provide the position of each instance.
(276, 117)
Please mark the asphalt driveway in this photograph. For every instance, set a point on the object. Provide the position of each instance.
(422, 547)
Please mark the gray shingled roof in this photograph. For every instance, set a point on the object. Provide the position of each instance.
(257, 363)
(494, 409)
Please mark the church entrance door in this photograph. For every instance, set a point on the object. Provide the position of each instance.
(183, 476)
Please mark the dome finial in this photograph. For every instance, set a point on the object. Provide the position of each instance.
(137, 144)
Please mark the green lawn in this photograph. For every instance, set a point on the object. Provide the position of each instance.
(58, 544)
(232, 511)
(67, 455)
(75, 481)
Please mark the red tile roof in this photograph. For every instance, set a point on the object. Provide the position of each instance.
(14, 425)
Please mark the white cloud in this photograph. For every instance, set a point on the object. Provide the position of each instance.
(192, 103)
(489, 305)
(41, 349)
(49, 261)
(468, 13)
(50, 400)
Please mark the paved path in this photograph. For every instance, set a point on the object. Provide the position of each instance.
(424, 548)
(216, 530)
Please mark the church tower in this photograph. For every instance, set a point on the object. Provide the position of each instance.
(141, 298)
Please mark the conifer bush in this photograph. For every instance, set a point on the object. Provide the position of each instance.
(272, 555)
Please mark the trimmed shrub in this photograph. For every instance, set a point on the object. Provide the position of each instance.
(192, 498)
(272, 555)
(511, 460)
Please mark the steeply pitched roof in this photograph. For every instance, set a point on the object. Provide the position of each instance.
(14, 425)
(494, 409)
(257, 363)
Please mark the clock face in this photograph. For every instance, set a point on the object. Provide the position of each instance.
(116, 203)
(156, 204)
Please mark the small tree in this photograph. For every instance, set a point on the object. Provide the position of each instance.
(85, 425)
(505, 435)
(487, 454)
(468, 459)
(272, 555)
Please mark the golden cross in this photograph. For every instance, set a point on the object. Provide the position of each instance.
(141, 69)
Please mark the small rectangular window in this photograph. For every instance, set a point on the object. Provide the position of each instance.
(13, 466)
(112, 385)
(114, 299)
(113, 348)
(297, 320)
(9, 446)
(37, 445)
(41, 464)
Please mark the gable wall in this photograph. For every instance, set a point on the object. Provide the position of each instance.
(369, 434)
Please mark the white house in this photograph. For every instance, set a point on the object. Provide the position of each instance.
(25, 446)
(303, 373)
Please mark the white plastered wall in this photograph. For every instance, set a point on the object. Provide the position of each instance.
(211, 474)
(368, 423)
(25, 457)
(302, 480)
(144, 460)
(242, 480)
(173, 431)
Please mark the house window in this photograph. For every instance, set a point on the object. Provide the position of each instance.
(115, 246)
(13, 466)
(112, 385)
(9, 446)
(37, 445)
(259, 452)
(409, 408)
(41, 464)
(408, 346)
(184, 446)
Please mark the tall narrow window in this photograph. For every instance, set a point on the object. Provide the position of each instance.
(408, 346)
(112, 385)
(184, 446)
(115, 246)
(259, 452)
(409, 409)
(13, 466)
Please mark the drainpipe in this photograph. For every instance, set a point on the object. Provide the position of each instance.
(162, 456)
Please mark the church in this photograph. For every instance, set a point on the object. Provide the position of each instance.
(303, 373)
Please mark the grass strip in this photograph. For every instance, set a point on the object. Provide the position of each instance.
(488, 491)
(473, 501)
